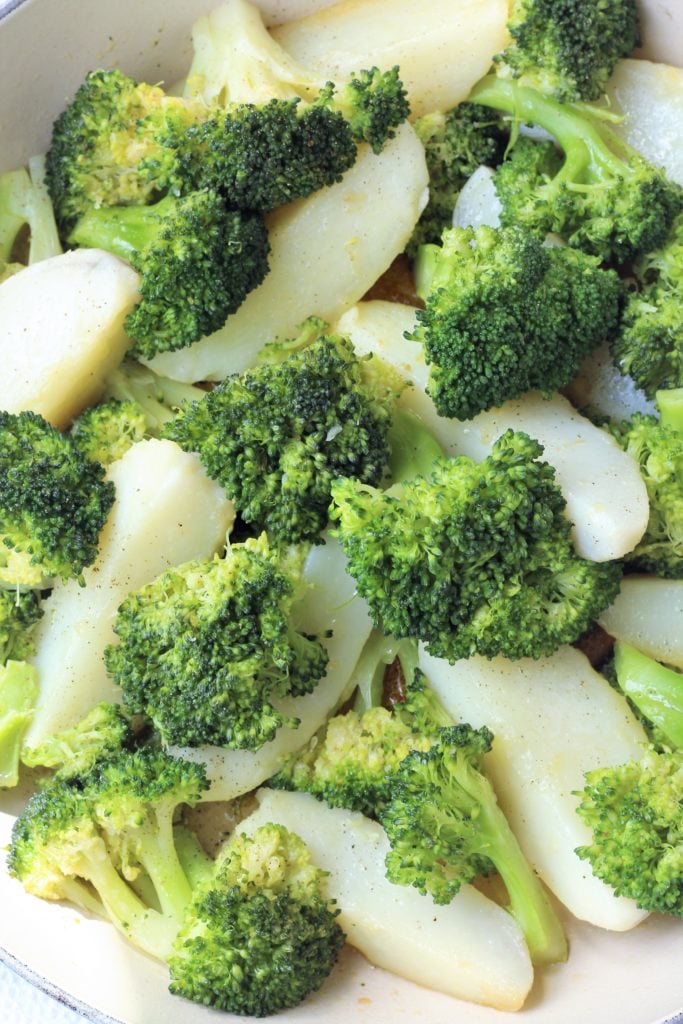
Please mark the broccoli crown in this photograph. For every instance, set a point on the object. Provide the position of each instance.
(635, 811)
(650, 346)
(569, 48)
(205, 646)
(115, 145)
(260, 157)
(104, 829)
(354, 763)
(658, 450)
(455, 143)
(504, 314)
(373, 102)
(655, 691)
(53, 503)
(18, 694)
(445, 828)
(476, 558)
(278, 435)
(103, 732)
(105, 432)
(20, 611)
(197, 259)
(604, 197)
(262, 935)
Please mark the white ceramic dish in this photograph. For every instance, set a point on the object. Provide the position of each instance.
(45, 48)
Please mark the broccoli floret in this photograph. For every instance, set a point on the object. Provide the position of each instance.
(650, 346)
(25, 203)
(53, 503)
(18, 694)
(277, 436)
(20, 612)
(445, 828)
(237, 61)
(604, 198)
(104, 732)
(197, 259)
(262, 936)
(655, 691)
(354, 763)
(658, 450)
(456, 144)
(116, 145)
(105, 432)
(569, 48)
(475, 558)
(635, 811)
(205, 646)
(102, 830)
(505, 314)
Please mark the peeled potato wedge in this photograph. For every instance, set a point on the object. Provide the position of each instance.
(648, 614)
(61, 332)
(442, 51)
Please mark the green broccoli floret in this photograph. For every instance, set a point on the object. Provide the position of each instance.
(263, 935)
(455, 143)
(197, 259)
(277, 436)
(505, 314)
(604, 198)
(53, 503)
(101, 831)
(658, 450)
(105, 432)
(18, 695)
(104, 732)
(475, 558)
(115, 145)
(354, 763)
(650, 346)
(236, 61)
(25, 204)
(655, 691)
(20, 612)
(205, 646)
(445, 828)
(635, 811)
(569, 48)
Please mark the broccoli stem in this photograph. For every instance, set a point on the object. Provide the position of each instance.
(158, 397)
(122, 230)
(14, 188)
(413, 447)
(670, 405)
(197, 866)
(18, 695)
(156, 851)
(655, 690)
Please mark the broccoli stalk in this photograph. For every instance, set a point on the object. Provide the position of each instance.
(445, 828)
(656, 691)
(24, 202)
(197, 259)
(18, 695)
(604, 198)
(474, 558)
(670, 406)
(261, 935)
(505, 315)
(20, 612)
(104, 829)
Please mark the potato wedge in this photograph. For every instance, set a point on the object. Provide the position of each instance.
(61, 332)
(327, 250)
(441, 53)
(648, 614)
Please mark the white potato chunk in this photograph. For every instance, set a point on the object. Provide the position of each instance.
(651, 97)
(442, 51)
(478, 204)
(606, 497)
(61, 332)
(648, 613)
(327, 250)
(329, 603)
(553, 720)
(600, 388)
(471, 949)
(167, 511)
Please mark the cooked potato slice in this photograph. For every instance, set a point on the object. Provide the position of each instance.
(61, 332)
(648, 614)
(441, 52)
